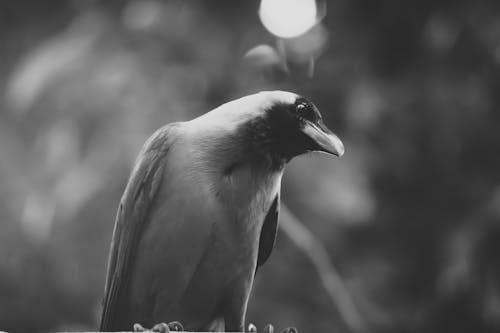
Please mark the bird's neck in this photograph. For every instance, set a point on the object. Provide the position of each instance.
(238, 168)
(229, 150)
(238, 158)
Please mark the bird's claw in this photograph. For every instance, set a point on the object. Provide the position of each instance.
(175, 326)
(290, 330)
(161, 328)
(138, 328)
(270, 329)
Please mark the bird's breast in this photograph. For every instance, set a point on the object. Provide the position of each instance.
(203, 232)
(235, 202)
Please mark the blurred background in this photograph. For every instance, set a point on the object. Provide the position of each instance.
(409, 217)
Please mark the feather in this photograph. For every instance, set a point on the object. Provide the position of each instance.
(130, 222)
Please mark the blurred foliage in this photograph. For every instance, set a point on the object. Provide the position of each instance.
(410, 215)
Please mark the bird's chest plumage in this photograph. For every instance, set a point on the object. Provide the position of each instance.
(202, 242)
(245, 195)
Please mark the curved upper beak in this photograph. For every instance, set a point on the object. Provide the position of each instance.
(326, 140)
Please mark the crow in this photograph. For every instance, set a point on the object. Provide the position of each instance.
(199, 214)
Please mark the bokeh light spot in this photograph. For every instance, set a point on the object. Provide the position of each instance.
(288, 19)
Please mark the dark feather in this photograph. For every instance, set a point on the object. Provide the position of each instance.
(268, 232)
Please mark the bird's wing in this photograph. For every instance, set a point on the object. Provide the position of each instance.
(269, 231)
(130, 221)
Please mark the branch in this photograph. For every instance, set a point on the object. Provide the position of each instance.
(328, 274)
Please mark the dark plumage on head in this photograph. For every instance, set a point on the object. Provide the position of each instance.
(289, 125)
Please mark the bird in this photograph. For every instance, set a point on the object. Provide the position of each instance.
(199, 214)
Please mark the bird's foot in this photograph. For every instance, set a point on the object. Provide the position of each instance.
(270, 329)
(173, 326)
(138, 328)
(161, 328)
(290, 330)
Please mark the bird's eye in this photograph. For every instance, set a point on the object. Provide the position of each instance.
(301, 109)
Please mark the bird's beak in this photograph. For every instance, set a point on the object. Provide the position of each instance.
(327, 141)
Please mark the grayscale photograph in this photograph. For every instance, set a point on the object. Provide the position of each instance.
(251, 166)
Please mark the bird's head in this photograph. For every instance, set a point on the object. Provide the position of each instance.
(270, 125)
(286, 125)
